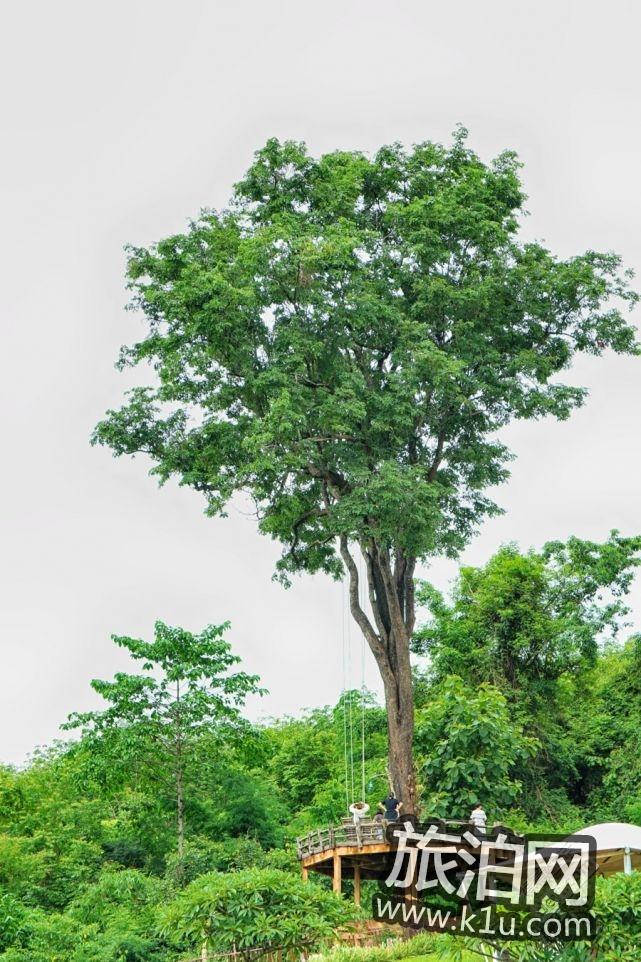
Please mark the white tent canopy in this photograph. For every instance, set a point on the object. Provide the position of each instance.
(618, 846)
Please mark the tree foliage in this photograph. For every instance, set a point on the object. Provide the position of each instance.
(254, 908)
(542, 627)
(470, 747)
(524, 620)
(344, 340)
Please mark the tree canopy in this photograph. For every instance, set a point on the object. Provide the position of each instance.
(470, 746)
(525, 619)
(256, 908)
(344, 340)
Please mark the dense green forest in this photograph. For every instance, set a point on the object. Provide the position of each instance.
(167, 809)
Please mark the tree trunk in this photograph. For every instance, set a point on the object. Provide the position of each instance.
(180, 812)
(390, 588)
(399, 704)
(180, 778)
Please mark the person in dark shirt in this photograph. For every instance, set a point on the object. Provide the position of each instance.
(391, 807)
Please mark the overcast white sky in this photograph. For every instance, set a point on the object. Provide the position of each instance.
(119, 121)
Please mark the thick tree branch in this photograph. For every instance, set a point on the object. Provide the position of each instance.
(438, 455)
(378, 648)
(376, 596)
(391, 596)
(410, 597)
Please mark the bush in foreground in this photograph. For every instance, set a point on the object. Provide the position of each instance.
(256, 908)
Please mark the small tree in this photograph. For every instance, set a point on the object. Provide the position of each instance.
(471, 746)
(343, 344)
(186, 690)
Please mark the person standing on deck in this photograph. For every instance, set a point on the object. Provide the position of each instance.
(478, 819)
(391, 807)
(359, 812)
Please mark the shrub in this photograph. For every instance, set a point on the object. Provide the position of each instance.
(256, 907)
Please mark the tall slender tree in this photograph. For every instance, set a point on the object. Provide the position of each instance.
(343, 343)
(186, 689)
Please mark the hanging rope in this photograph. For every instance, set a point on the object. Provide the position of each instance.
(361, 586)
(344, 698)
(349, 697)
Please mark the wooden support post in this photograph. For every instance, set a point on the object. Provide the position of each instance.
(357, 885)
(336, 880)
(410, 892)
(304, 871)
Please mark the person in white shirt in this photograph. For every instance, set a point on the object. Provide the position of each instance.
(478, 818)
(359, 812)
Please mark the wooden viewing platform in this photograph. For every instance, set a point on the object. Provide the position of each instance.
(340, 851)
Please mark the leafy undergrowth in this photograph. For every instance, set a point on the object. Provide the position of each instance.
(421, 948)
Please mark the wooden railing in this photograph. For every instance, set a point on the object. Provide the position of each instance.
(365, 933)
(336, 836)
(258, 953)
(346, 834)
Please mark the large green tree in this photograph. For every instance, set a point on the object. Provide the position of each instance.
(471, 743)
(342, 343)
